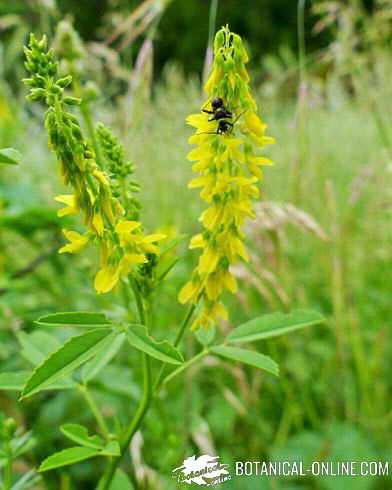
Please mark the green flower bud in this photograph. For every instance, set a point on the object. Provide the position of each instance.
(37, 94)
(72, 100)
(64, 82)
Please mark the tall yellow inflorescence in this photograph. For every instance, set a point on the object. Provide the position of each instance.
(229, 134)
(109, 225)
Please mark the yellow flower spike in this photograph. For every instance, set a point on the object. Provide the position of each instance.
(229, 169)
(77, 242)
(70, 201)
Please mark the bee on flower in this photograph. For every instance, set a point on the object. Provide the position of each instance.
(228, 162)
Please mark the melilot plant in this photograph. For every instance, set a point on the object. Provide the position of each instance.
(229, 137)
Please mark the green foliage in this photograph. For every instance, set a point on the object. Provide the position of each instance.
(75, 319)
(75, 352)
(139, 338)
(249, 357)
(68, 456)
(121, 481)
(9, 156)
(79, 434)
(268, 326)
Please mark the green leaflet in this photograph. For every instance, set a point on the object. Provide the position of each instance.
(121, 481)
(76, 351)
(68, 456)
(111, 348)
(37, 346)
(16, 380)
(75, 319)
(13, 381)
(249, 357)
(9, 156)
(138, 337)
(267, 326)
(79, 434)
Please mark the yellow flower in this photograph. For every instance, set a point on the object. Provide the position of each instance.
(107, 278)
(70, 201)
(77, 242)
(229, 168)
(189, 292)
(97, 223)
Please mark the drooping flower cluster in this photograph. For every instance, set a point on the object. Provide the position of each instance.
(227, 159)
(121, 242)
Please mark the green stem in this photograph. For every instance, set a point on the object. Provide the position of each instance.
(95, 410)
(86, 114)
(144, 402)
(139, 300)
(8, 467)
(185, 366)
(177, 340)
(133, 426)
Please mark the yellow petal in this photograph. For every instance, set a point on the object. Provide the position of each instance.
(68, 199)
(155, 237)
(97, 223)
(133, 258)
(106, 279)
(198, 182)
(150, 248)
(261, 161)
(189, 292)
(197, 241)
(208, 262)
(127, 226)
(254, 123)
(199, 153)
(77, 242)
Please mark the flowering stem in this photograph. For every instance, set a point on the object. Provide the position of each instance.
(86, 114)
(95, 410)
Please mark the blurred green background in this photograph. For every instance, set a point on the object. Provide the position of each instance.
(322, 238)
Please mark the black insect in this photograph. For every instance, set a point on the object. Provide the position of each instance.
(224, 127)
(219, 110)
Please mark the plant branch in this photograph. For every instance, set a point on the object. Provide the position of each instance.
(95, 410)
